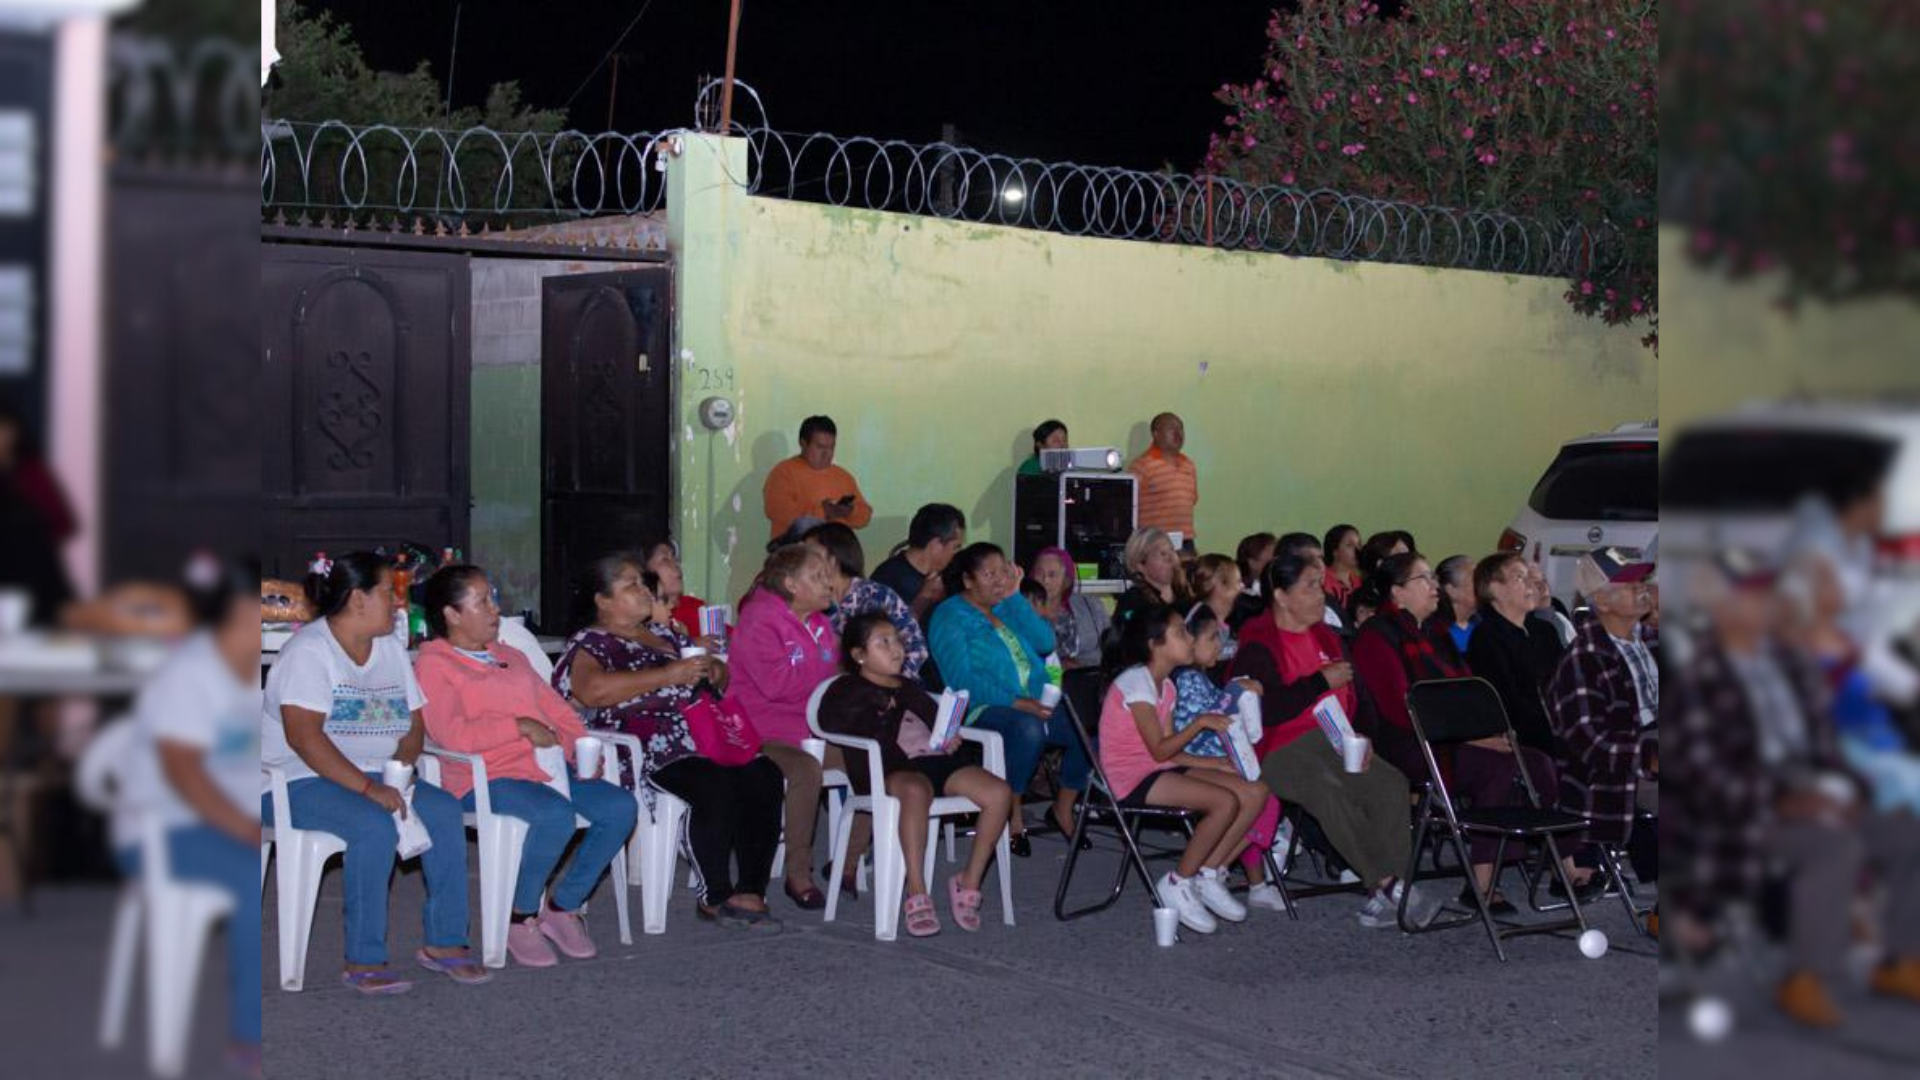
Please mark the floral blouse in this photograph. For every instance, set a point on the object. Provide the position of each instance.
(655, 718)
(867, 595)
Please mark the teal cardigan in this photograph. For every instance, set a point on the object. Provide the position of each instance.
(973, 658)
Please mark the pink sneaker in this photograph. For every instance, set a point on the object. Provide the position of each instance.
(528, 946)
(568, 932)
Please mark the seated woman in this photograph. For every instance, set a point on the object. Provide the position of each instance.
(1459, 607)
(625, 668)
(875, 700)
(340, 701)
(1216, 587)
(1155, 571)
(1149, 764)
(197, 768)
(1050, 435)
(484, 698)
(1341, 550)
(1405, 643)
(1252, 555)
(1515, 653)
(662, 559)
(1301, 661)
(989, 642)
(1079, 621)
(783, 648)
(856, 594)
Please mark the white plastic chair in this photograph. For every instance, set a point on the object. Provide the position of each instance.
(514, 632)
(653, 851)
(502, 839)
(303, 855)
(889, 866)
(179, 917)
(835, 785)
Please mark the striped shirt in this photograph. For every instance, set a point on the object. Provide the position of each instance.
(1169, 490)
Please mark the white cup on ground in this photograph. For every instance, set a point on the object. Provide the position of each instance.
(1355, 753)
(1050, 695)
(15, 606)
(1166, 927)
(586, 756)
(396, 775)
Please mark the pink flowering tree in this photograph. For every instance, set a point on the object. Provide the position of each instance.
(1544, 109)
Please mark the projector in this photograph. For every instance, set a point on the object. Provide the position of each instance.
(1084, 458)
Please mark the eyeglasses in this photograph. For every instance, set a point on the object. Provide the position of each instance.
(1421, 577)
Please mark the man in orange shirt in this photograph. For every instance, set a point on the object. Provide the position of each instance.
(1169, 481)
(810, 485)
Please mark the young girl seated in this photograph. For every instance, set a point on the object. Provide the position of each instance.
(1149, 764)
(875, 701)
(1196, 695)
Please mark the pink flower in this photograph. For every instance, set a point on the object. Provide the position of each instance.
(1489, 157)
(1286, 178)
(1466, 133)
(1413, 99)
(1427, 72)
(1638, 305)
(1353, 149)
(1586, 288)
(1247, 143)
(1441, 51)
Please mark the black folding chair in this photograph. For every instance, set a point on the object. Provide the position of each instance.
(1613, 871)
(1082, 687)
(1453, 711)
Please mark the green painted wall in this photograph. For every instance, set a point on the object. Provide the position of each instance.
(1726, 342)
(1313, 391)
(506, 481)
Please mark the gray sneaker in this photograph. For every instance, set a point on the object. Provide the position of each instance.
(1378, 912)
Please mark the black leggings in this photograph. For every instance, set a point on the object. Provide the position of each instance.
(734, 814)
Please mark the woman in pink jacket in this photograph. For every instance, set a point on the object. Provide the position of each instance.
(783, 647)
(484, 698)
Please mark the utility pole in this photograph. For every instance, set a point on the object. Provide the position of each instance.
(613, 90)
(453, 56)
(726, 91)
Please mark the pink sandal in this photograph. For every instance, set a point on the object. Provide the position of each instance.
(921, 921)
(965, 905)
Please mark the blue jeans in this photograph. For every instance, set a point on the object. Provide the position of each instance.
(202, 853)
(610, 812)
(1026, 736)
(325, 806)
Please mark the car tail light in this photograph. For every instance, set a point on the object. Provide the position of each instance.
(1511, 541)
(1900, 554)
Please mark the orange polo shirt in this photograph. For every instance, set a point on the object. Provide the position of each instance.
(1169, 490)
(795, 489)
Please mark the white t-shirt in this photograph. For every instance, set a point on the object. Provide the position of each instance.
(193, 699)
(368, 709)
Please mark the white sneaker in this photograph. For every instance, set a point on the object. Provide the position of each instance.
(1184, 898)
(1212, 886)
(1266, 895)
(1378, 912)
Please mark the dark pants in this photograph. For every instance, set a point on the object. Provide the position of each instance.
(733, 813)
(1490, 778)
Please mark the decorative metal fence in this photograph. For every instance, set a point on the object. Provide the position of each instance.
(468, 178)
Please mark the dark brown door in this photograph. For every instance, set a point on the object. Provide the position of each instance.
(366, 389)
(182, 393)
(605, 394)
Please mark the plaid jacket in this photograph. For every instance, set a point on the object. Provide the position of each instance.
(1718, 797)
(1594, 708)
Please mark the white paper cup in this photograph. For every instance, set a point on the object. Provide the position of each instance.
(396, 775)
(1050, 695)
(691, 652)
(15, 606)
(1166, 927)
(586, 756)
(1355, 753)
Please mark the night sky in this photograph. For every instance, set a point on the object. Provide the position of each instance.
(1107, 82)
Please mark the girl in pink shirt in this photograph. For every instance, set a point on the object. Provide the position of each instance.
(1147, 764)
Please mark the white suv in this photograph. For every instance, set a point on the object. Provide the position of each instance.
(1602, 490)
(1735, 480)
